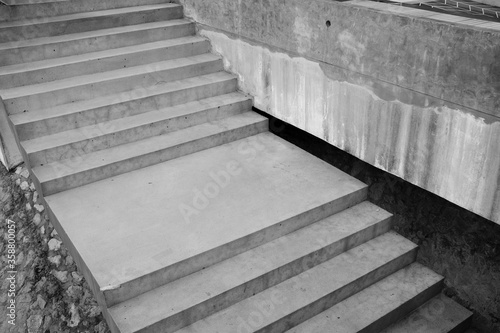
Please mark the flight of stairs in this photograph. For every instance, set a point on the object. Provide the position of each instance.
(183, 212)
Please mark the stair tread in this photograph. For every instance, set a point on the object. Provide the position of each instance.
(80, 106)
(357, 312)
(83, 80)
(29, 2)
(55, 62)
(24, 10)
(439, 315)
(118, 153)
(85, 15)
(344, 271)
(92, 34)
(179, 295)
(268, 172)
(120, 124)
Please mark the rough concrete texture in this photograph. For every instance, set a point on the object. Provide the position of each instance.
(460, 245)
(417, 98)
(51, 294)
(452, 62)
(190, 221)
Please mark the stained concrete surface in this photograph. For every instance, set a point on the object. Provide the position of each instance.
(452, 62)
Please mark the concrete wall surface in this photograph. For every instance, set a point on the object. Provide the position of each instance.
(414, 96)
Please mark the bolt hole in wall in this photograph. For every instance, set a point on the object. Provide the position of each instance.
(328, 24)
(456, 243)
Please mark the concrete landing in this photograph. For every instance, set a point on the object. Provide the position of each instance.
(151, 226)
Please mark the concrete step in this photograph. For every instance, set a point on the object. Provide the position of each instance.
(74, 23)
(439, 315)
(30, 125)
(37, 49)
(85, 87)
(96, 62)
(25, 9)
(194, 297)
(88, 139)
(299, 298)
(175, 218)
(28, 2)
(87, 168)
(379, 305)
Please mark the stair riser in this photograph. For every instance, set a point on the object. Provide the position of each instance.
(404, 309)
(194, 264)
(22, 12)
(142, 161)
(220, 302)
(68, 48)
(47, 29)
(97, 142)
(99, 65)
(289, 321)
(139, 104)
(153, 77)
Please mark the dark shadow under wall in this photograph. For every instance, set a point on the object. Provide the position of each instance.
(458, 244)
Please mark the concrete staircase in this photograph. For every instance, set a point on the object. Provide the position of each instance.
(183, 212)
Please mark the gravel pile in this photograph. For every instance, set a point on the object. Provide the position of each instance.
(51, 295)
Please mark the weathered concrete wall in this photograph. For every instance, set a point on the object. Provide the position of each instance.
(415, 97)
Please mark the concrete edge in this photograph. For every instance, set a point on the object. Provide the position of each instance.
(10, 153)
